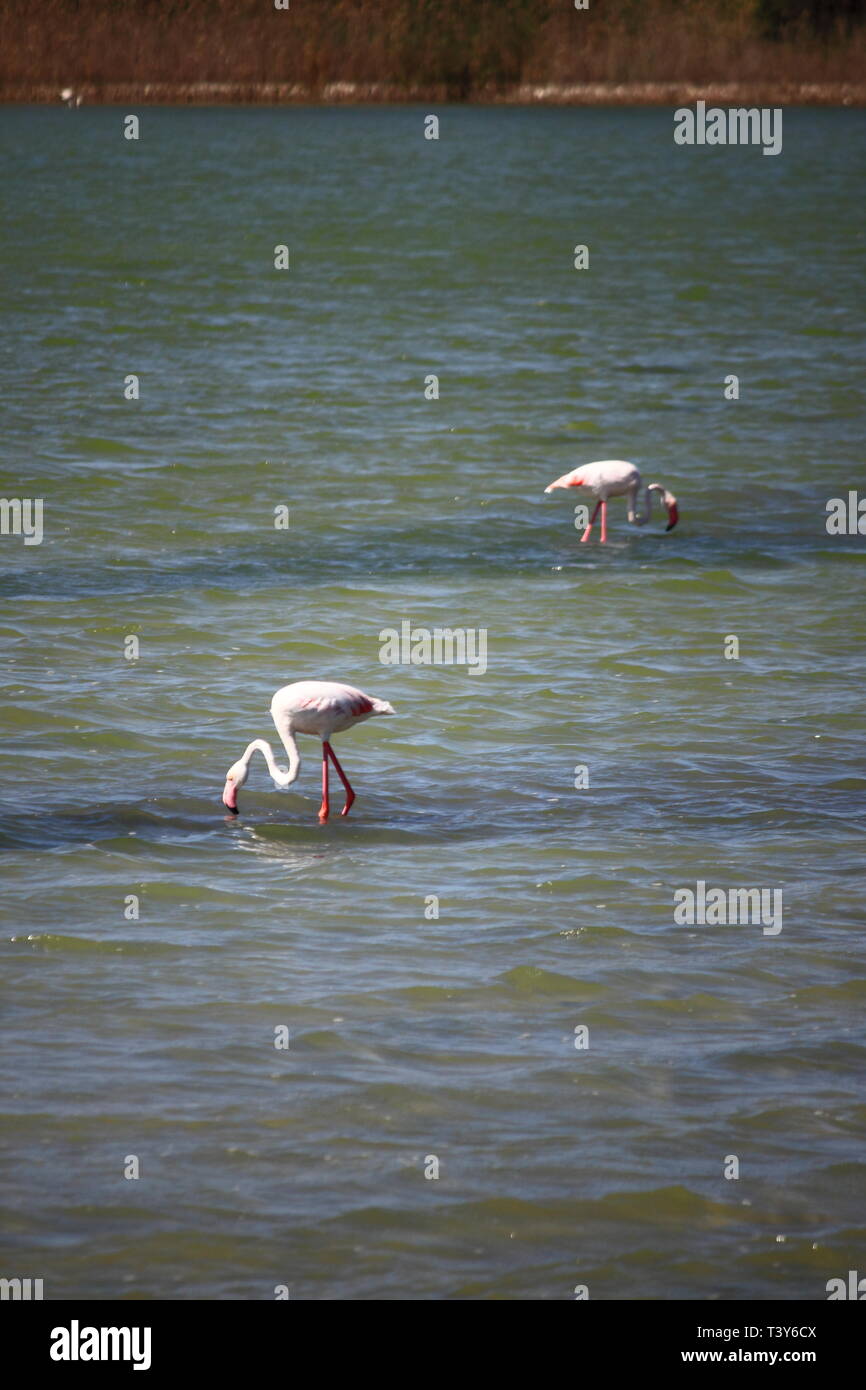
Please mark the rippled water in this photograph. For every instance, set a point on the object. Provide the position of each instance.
(414, 1036)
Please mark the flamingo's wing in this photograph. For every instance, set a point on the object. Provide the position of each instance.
(318, 706)
(346, 701)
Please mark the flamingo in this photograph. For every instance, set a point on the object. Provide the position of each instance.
(307, 707)
(616, 478)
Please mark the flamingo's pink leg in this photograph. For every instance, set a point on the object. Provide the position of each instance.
(585, 536)
(603, 522)
(324, 808)
(350, 795)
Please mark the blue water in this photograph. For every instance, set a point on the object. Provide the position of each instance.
(415, 1037)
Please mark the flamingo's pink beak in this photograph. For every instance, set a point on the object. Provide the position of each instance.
(673, 516)
(230, 798)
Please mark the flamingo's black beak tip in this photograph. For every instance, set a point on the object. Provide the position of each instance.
(232, 810)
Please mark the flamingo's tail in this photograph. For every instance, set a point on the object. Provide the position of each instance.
(567, 480)
(382, 707)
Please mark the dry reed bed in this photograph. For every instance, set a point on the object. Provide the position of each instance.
(484, 50)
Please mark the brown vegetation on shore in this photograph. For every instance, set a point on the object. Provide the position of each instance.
(482, 50)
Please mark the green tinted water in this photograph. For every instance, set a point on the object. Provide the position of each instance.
(413, 1035)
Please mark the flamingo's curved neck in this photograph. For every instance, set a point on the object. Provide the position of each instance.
(640, 517)
(283, 726)
(281, 776)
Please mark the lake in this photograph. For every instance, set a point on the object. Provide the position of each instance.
(455, 1046)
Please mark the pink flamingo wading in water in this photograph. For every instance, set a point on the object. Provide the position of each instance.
(322, 708)
(616, 478)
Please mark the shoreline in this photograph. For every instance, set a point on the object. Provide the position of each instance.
(758, 93)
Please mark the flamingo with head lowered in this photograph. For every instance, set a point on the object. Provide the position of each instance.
(616, 478)
(322, 708)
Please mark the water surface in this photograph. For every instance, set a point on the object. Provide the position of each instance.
(412, 1035)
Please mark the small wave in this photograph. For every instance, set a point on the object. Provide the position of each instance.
(82, 945)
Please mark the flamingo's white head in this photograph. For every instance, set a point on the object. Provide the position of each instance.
(670, 503)
(235, 778)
